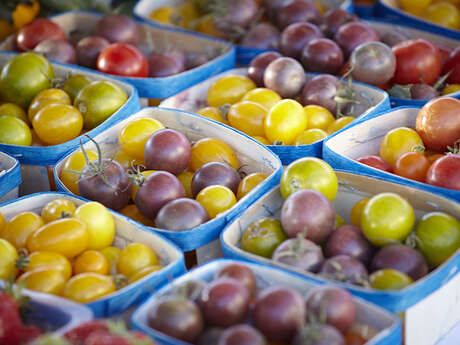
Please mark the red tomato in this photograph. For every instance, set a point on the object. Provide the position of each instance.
(37, 31)
(416, 61)
(376, 162)
(123, 59)
(413, 165)
(445, 172)
(445, 52)
(453, 64)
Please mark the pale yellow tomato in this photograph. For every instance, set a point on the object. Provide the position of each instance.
(46, 280)
(216, 199)
(310, 136)
(318, 117)
(229, 90)
(20, 227)
(56, 209)
(134, 257)
(263, 96)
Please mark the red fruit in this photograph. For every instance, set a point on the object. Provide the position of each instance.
(30, 35)
(104, 338)
(30, 333)
(10, 321)
(77, 335)
(445, 53)
(123, 59)
(453, 64)
(445, 172)
(412, 165)
(375, 162)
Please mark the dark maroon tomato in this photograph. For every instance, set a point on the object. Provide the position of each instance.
(240, 13)
(322, 55)
(57, 50)
(161, 65)
(88, 50)
(445, 52)
(296, 36)
(278, 313)
(332, 305)
(319, 334)
(271, 8)
(300, 253)
(158, 189)
(262, 36)
(178, 55)
(39, 30)
(181, 214)
(168, 150)
(215, 173)
(241, 273)
(242, 335)
(224, 302)
(123, 59)
(345, 269)
(259, 64)
(349, 240)
(392, 38)
(335, 18)
(376, 162)
(108, 184)
(193, 60)
(309, 213)
(445, 172)
(176, 317)
(117, 28)
(192, 290)
(210, 336)
(321, 90)
(285, 76)
(401, 258)
(295, 11)
(423, 91)
(453, 64)
(351, 35)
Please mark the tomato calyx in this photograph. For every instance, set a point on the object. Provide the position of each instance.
(134, 173)
(454, 150)
(340, 276)
(23, 261)
(345, 94)
(296, 248)
(120, 281)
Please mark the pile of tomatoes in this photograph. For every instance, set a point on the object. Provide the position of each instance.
(68, 251)
(441, 12)
(218, 311)
(430, 152)
(160, 179)
(36, 113)
(384, 236)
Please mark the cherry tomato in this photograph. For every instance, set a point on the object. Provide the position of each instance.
(91, 261)
(212, 150)
(186, 179)
(44, 280)
(144, 272)
(131, 211)
(263, 236)
(40, 29)
(14, 131)
(248, 117)
(414, 6)
(340, 123)
(11, 109)
(229, 90)
(216, 199)
(397, 142)
(262, 140)
(445, 172)
(8, 258)
(134, 257)
(74, 84)
(389, 279)
(444, 14)
(87, 287)
(318, 117)
(57, 209)
(20, 227)
(263, 96)
(417, 61)
(357, 211)
(433, 156)
(452, 65)
(412, 165)
(134, 135)
(248, 183)
(310, 136)
(47, 97)
(50, 260)
(111, 254)
(376, 162)
(123, 59)
(213, 113)
(76, 162)
(445, 52)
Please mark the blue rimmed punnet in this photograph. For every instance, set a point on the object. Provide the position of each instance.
(10, 177)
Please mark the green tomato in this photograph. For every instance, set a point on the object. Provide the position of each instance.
(389, 279)
(262, 237)
(23, 77)
(309, 173)
(14, 131)
(387, 218)
(438, 237)
(74, 84)
(98, 100)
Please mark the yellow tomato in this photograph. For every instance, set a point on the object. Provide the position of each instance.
(99, 222)
(87, 287)
(164, 15)
(414, 6)
(189, 13)
(20, 227)
(216, 199)
(397, 142)
(67, 236)
(248, 183)
(56, 209)
(128, 161)
(206, 26)
(112, 255)
(8, 258)
(134, 135)
(44, 280)
(2, 223)
(91, 261)
(131, 211)
(263, 96)
(186, 179)
(357, 210)
(145, 173)
(24, 13)
(451, 89)
(310, 136)
(212, 150)
(134, 257)
(248, 117)
(318, 117)
(229, 90)
(262, 140)
(144, 272)
(285, 121)
(45, 98)
(50, 260)
(75, 162)
(11, 109)
(213, 113)
(338, 124)
(443, 13)
(6, 29)
(14, 131)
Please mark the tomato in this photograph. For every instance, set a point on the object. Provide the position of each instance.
(248, 183)
(2, 223)
(145, 174)
(8, 257)
(11, 109)
(438, 237)
(87, 287)
(131, 211)
(339, 221)
(74, 84)
(212, 150)
(338, 124)
(353, 338)
(98, 100)
(387, 217)
(20, 227)
(185, 179)
(309, 173)
(285, 121)
(414, 6)
(111, 254)
(412, 165)
(188, 13)
(263, 96)
(134, 135)
(50, 260)
(248, 117)
(134, 257)
(452, 65)
(39, 30)
(310, 136)
(445, 172)
(128, 161)
(263, 236)
(397, 142)
(47, 97)
(216, 199)
(67, 236)
(318, 117)
(100, 224)
(44, 280)
(144, 272)
(123, 59)
(433, 156)
(262, 140)
(357, 211)
(91, 261)
(14, 131)
(165, 15)
(444, 14)
(24, 76)
(450, 89)
(389, 279)
(229, 90)
(58, 123)
(75, 162)
(445, 52)
(56, 209)
(417, 61)
(213, 113)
